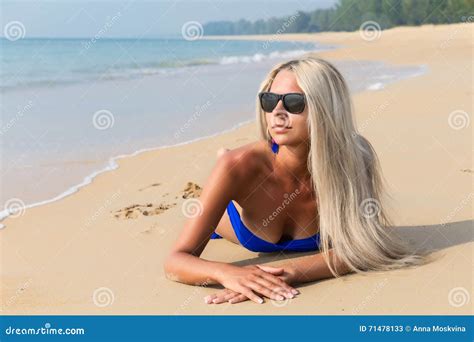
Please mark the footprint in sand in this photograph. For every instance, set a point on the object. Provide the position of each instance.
(467, 170)
(149, 186)
(192, 190)
(137, 210)
(134, 211)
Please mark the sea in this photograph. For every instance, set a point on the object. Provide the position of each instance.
(71, 107)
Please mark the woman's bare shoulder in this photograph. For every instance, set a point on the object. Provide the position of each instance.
(245, 160)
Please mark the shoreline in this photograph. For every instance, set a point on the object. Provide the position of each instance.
(57, 257)
(112, 163)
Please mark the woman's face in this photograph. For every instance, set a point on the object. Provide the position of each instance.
(287, 128)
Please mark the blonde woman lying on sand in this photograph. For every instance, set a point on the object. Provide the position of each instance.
(310, 184)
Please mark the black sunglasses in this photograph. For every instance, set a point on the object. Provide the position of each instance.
(292, 102)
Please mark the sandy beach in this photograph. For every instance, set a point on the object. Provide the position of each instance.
(101, 250)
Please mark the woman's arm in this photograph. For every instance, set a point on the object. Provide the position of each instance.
(299, 270)
(312, 268)
(184, 263)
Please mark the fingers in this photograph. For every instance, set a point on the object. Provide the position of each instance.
(272, 270)
(279, 282)
(271, 292)
(232, 297)
(270, 274)
(208, 299)
(246, 291)
(237, 299)
(224, 297)
(274, 288)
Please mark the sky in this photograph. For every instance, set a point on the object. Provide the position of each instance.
(137, 18)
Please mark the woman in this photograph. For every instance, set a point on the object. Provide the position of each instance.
(311, 184)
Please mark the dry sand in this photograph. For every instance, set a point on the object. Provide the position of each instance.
(100, 251)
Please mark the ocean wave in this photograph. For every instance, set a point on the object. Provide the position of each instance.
(132, 71)
(259, 57)
(112, 164)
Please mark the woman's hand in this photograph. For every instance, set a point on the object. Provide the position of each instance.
(251, 282)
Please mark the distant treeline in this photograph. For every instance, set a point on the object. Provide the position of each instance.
(349, 15)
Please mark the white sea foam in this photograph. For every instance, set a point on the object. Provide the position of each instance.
(375, 86)
(111, 165)
(259, 57)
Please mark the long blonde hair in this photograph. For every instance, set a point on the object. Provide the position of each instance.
(345, 173)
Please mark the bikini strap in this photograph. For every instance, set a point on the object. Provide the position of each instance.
(275, 147)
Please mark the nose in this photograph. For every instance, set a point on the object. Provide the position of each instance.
(279, 107)
(279, 116)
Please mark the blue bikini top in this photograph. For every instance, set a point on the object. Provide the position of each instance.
(256, 244)
(252, 242)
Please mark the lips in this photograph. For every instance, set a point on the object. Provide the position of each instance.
(281, 129)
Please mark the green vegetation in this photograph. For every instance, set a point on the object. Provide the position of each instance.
(349, 15)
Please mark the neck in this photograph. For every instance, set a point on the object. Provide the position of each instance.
(291, 162)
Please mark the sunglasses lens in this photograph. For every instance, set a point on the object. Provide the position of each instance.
(294, 103)
(268, 102)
